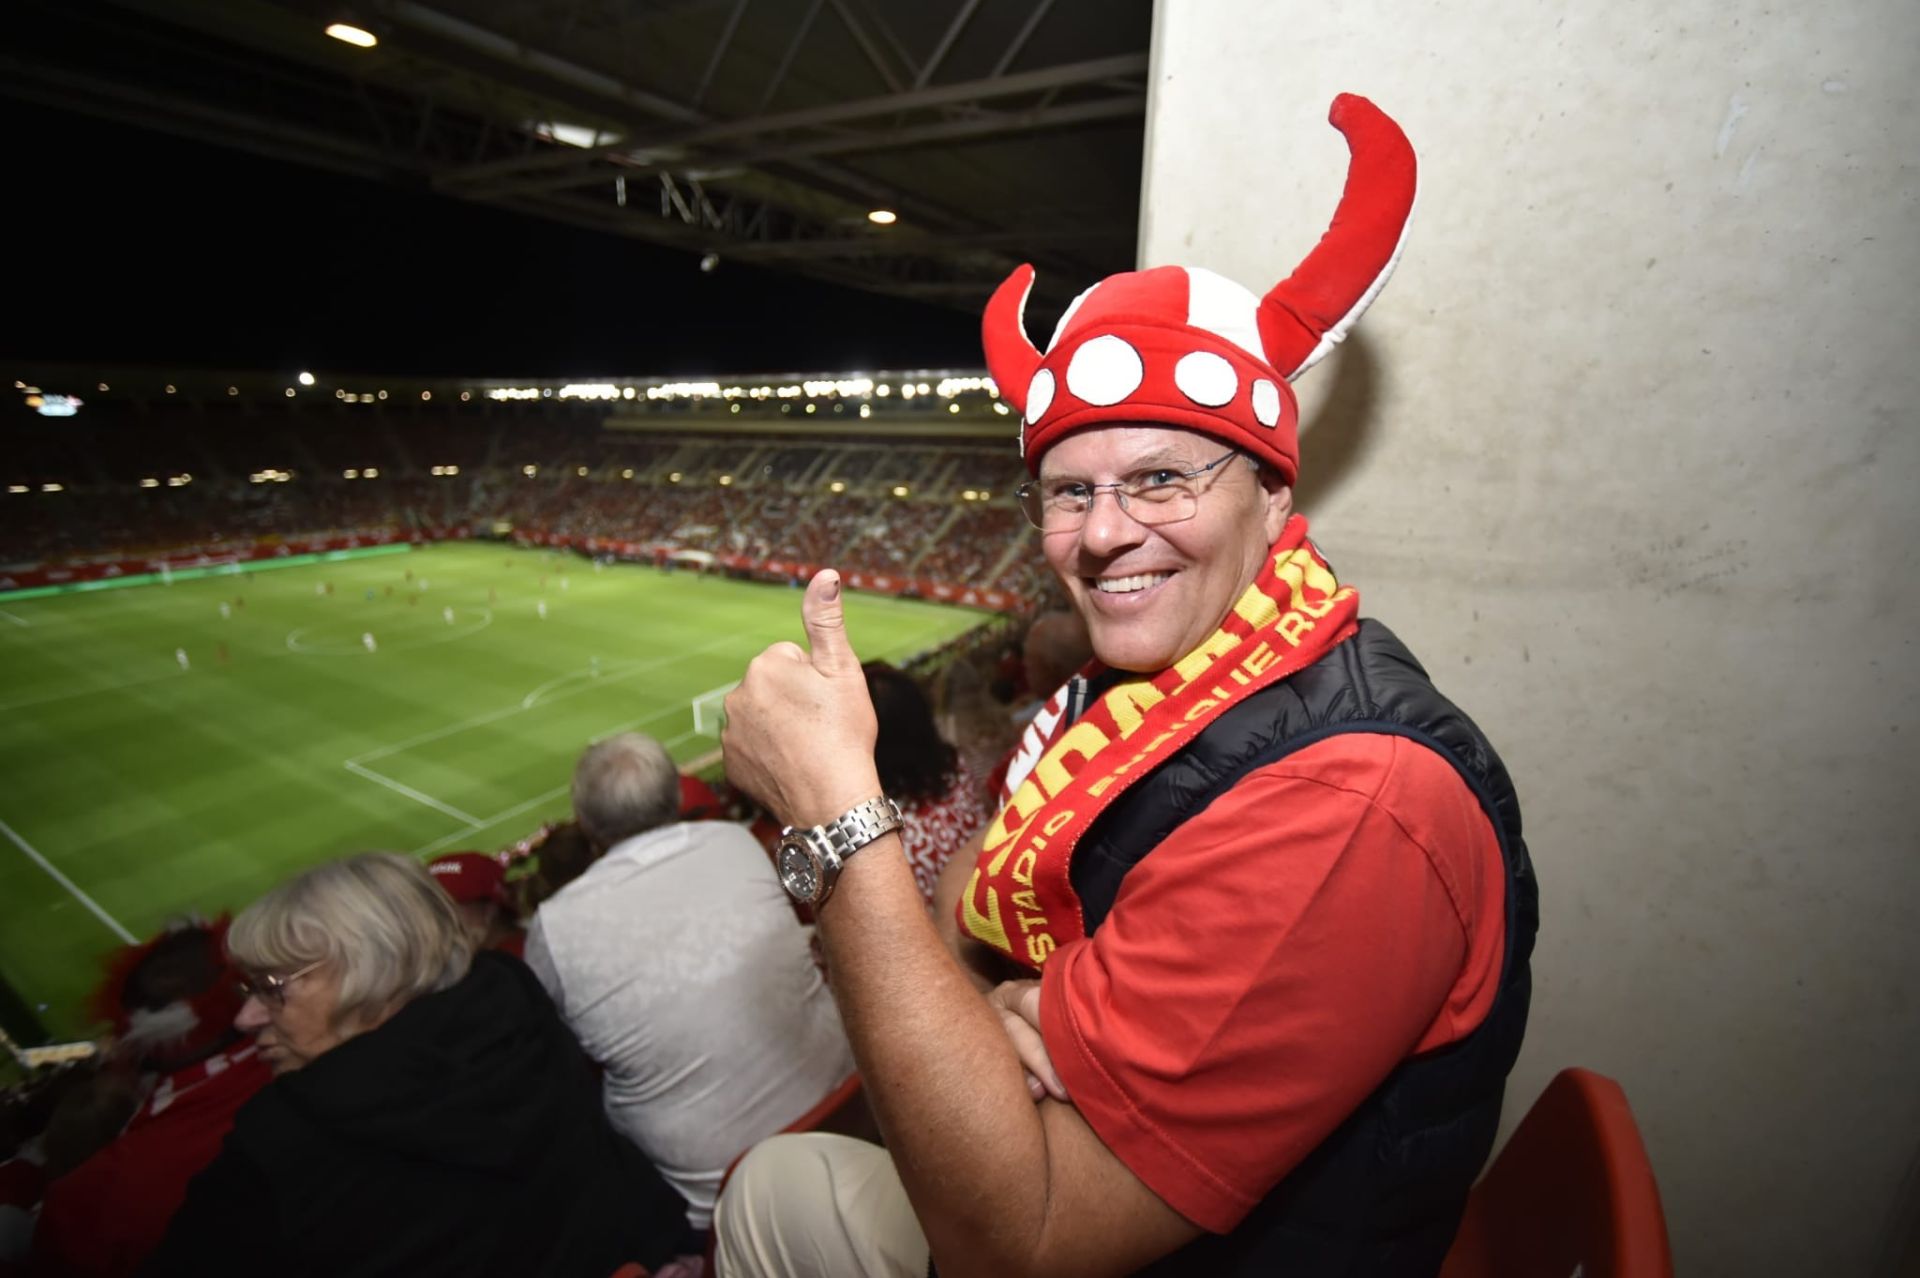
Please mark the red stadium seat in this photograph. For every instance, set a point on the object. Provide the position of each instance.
(1571, 1194)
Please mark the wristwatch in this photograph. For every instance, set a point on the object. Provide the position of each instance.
(810, 859)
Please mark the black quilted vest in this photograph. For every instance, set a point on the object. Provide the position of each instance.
(1384, 1193)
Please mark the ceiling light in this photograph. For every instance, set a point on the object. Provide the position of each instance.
(883, 217)
(580, 135)
(306, 379)
(347, 33)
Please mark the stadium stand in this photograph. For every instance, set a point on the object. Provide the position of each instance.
(217, 475)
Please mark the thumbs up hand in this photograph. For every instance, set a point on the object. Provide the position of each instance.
(800, 727)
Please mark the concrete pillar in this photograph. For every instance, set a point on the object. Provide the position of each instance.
(1628, 452)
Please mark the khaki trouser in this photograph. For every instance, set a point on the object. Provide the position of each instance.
(817, 1206)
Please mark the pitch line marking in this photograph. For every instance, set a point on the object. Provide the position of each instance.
(411, 793)
(112, 923)
(473, 827)
(519, 707)
(426, 849)
(18, 621)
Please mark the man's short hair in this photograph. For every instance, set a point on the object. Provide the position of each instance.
(623, 786)
(379, 918)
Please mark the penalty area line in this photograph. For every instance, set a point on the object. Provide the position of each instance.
(112, 923)
(410, 792)
(475, 825)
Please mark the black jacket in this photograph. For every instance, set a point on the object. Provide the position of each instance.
(463, 1136)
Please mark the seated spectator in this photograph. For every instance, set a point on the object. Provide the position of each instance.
(680, 967)
(556, 855)
(478, 885)
(1055, 648)
(171, 1002)
(943, 803)
(429, 1113)
(968, 715)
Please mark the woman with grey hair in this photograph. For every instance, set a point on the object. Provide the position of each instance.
(430, 1113)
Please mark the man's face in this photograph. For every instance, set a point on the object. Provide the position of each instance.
(1152, 595)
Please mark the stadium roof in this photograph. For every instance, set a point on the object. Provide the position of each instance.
(762, 131)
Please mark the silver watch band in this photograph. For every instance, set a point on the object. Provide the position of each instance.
(828, 846)
(860, 825)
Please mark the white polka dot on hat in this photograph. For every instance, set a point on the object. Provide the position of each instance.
(1206, 378)
(1105, 371)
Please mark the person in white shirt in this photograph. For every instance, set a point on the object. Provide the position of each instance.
(684, 972)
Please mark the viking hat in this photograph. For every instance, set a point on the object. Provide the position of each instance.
(1181, 346)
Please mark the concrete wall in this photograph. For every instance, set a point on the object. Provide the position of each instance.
(1628, 452)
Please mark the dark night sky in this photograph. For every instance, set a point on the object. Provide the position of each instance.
(133, 247)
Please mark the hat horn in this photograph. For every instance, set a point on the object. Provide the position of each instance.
(1309, 312)
(1011, 355)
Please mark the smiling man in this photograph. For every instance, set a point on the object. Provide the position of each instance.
(1257, 894)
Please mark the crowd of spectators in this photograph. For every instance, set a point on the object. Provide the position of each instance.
(938, 511)
(481, 1064)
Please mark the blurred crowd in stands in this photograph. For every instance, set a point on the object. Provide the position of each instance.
(543, 1058)
(123, 489)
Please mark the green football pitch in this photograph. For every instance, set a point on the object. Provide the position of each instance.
(135, 790)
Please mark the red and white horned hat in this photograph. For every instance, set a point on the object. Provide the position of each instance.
(1181, 346)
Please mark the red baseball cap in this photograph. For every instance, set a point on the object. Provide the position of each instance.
(470, 876)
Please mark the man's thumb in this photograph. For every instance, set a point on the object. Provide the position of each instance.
(826, 624)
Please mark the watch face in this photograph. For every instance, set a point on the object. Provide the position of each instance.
(797, 871)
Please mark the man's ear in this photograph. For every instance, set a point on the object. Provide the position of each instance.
(1279, 501)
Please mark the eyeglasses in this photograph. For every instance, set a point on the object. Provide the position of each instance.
(273, 989)
(1161, 495)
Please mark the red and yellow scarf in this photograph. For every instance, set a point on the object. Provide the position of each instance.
(1019, 899)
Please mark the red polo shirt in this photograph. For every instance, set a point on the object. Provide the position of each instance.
(1271, 962)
